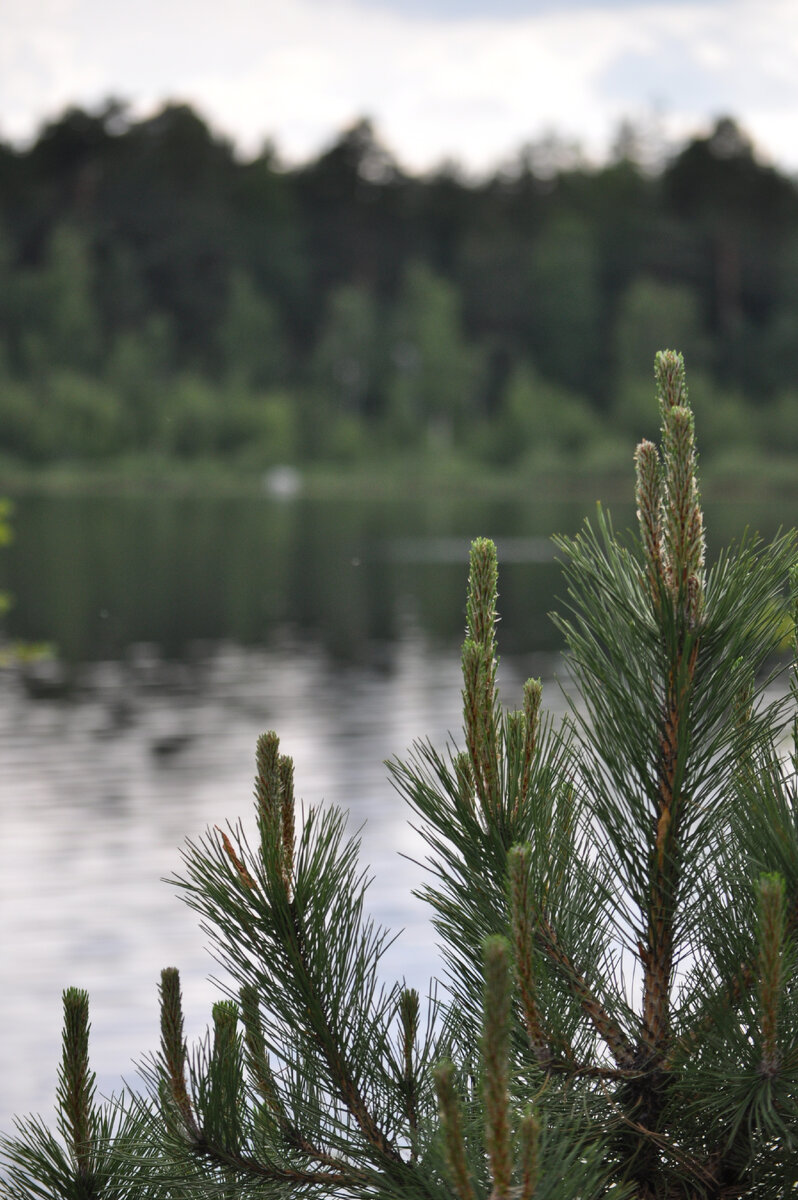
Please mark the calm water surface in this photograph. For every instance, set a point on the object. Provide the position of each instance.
(184, 629)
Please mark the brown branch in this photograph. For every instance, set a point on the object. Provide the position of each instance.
(657, 955)
(341, 1077)
(267, 1085)
(619, 1045)
(587, 1071)
(251, 1166)
(695, 1168)
(524, 921)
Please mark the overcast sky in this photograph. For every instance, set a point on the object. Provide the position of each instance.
(465, 79)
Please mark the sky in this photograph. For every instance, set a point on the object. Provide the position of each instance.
(463, 80)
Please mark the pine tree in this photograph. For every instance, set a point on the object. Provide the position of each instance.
(616, 899)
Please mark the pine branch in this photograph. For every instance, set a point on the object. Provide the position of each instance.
(328, 1043)
(523, 931)
(608, 1029)
(261, 1072)
(675, 553)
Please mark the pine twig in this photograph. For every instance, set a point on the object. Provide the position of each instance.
(523, 932)
(173, 1047)
(408, 1015)
(76, 1083)
(529, 1147)
(325, 1038)
(619, 1045)
(479, 676)
(496, 1059)
(771, 953)
(452, 1127)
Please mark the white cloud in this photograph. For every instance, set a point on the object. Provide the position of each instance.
(474, 89)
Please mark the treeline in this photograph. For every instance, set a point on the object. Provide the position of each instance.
(158, 294)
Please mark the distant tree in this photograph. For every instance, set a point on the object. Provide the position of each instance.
(348, 358)
(350, 199)
(540, 419)
(435, 378)
(564, 304)
(551, 154)
(646, 303)
(741, 206)
(252, 345)
(177, 147)
(53, 319)
(170, 196)
(777, 353)
(138, 366)
(646, 306)
(641, 143)
(270, 241)
(71, 324)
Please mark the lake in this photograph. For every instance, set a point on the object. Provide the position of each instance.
(184, 628)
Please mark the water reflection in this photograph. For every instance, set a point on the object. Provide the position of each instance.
(95, 576)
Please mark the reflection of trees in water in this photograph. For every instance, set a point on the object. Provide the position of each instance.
(95, 576)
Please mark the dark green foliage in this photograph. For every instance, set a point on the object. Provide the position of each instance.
(159, 295)
(617, 903)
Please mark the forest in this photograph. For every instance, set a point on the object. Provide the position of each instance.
(161, 296)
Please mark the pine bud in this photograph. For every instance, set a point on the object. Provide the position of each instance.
(671, 380)
(529, 1139)
(452, 1126)
(173, 1046)
(267, 780)
(76, 1081)
(496, 1056)
(648, 494)
(255, 1043)
(522, 922)
(286, 770)
(482, 592)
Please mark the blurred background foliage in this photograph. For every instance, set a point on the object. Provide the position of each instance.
(161, 297)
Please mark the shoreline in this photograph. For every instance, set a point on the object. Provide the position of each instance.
(723, 477)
